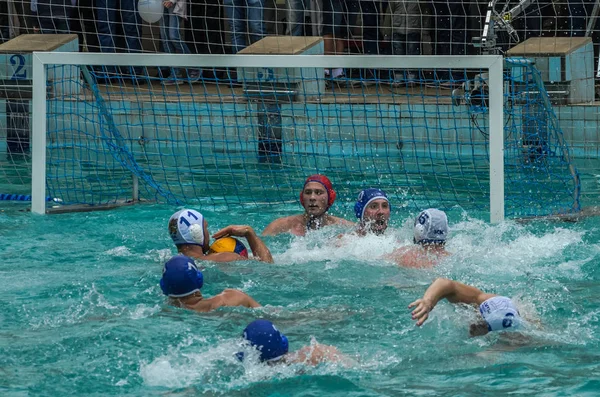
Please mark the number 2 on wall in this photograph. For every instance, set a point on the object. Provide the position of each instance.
(18, 61)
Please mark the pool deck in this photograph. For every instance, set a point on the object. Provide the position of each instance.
(222, 92)
(212, 92)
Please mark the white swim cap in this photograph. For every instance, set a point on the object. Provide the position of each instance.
(189, 228)
(500, 313)
(431, 227)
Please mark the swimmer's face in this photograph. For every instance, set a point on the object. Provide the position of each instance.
(314, 198)
(377, 215)
(479, 328)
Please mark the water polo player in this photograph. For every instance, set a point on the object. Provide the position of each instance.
(317, 196)
(498, 313)
(189, 231)
(273, 347)
(430, 232)
(373, 210)
(182, 282)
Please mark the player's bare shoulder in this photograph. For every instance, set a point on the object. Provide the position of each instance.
(284, 224)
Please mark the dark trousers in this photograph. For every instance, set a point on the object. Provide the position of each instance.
(23, 8)
(50, 25)
(575, 24)
(106, 14)
(4, 23)
(407, 44)
(107, 24)
(449, 33)
(449, 27)
(370, 22)
(83, 22)
(206, 32)
(206, 27)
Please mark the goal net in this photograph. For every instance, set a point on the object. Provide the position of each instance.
(409, 125)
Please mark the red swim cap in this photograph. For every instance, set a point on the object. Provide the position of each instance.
(323, 180)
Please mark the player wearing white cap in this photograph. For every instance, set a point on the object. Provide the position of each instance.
(430, 234)
(498, 313)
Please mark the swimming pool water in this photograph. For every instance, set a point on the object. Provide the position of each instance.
(82, 312)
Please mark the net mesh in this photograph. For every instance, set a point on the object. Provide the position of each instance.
(254, 139)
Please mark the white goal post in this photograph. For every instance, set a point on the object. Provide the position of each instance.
(491, 64)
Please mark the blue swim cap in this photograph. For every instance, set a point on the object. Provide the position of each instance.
(267, 339)
(365, 197)
(181, 277)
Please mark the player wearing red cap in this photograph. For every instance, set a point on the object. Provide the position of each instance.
(317, 196)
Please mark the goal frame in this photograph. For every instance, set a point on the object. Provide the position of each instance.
(492, 63)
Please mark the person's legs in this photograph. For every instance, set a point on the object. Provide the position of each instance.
(370, 18)
(165, 22)
(195, 36)
(256, 22)
(235, 10)
(413, 47)
(442, 29)
(76, 25)
(296, 10)
(62, 26)
(46, 24)
(167, 45)
(413, 43)
(132, 29)
(106, 10)
(370, 21)
(398, 48)
(175, 34)
(333, 16)
(398, 44)
(367, 10)
(329, 15)
(87, 12)
(23, 9)
(215, 28)
(176, 40)
(131, 25)
(458, 28)
(577, 18)
(4, 22)
(406, 44)
(107, 27)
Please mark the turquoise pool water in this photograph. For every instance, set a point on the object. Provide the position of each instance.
(82, 312)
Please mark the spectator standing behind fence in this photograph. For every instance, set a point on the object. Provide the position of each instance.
(450, 36)
(52, 16)
(335, 27)
(4, 23)
(205, 34)
(574, 22)
(296, 10)
(246, 17)
(409, 17)
(106, 12)
(369, 13)
(340, 18)
(20, 18)
(174, 16)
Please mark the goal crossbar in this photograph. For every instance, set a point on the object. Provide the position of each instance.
(492, 64)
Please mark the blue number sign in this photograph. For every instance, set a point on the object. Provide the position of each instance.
(20, 73)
